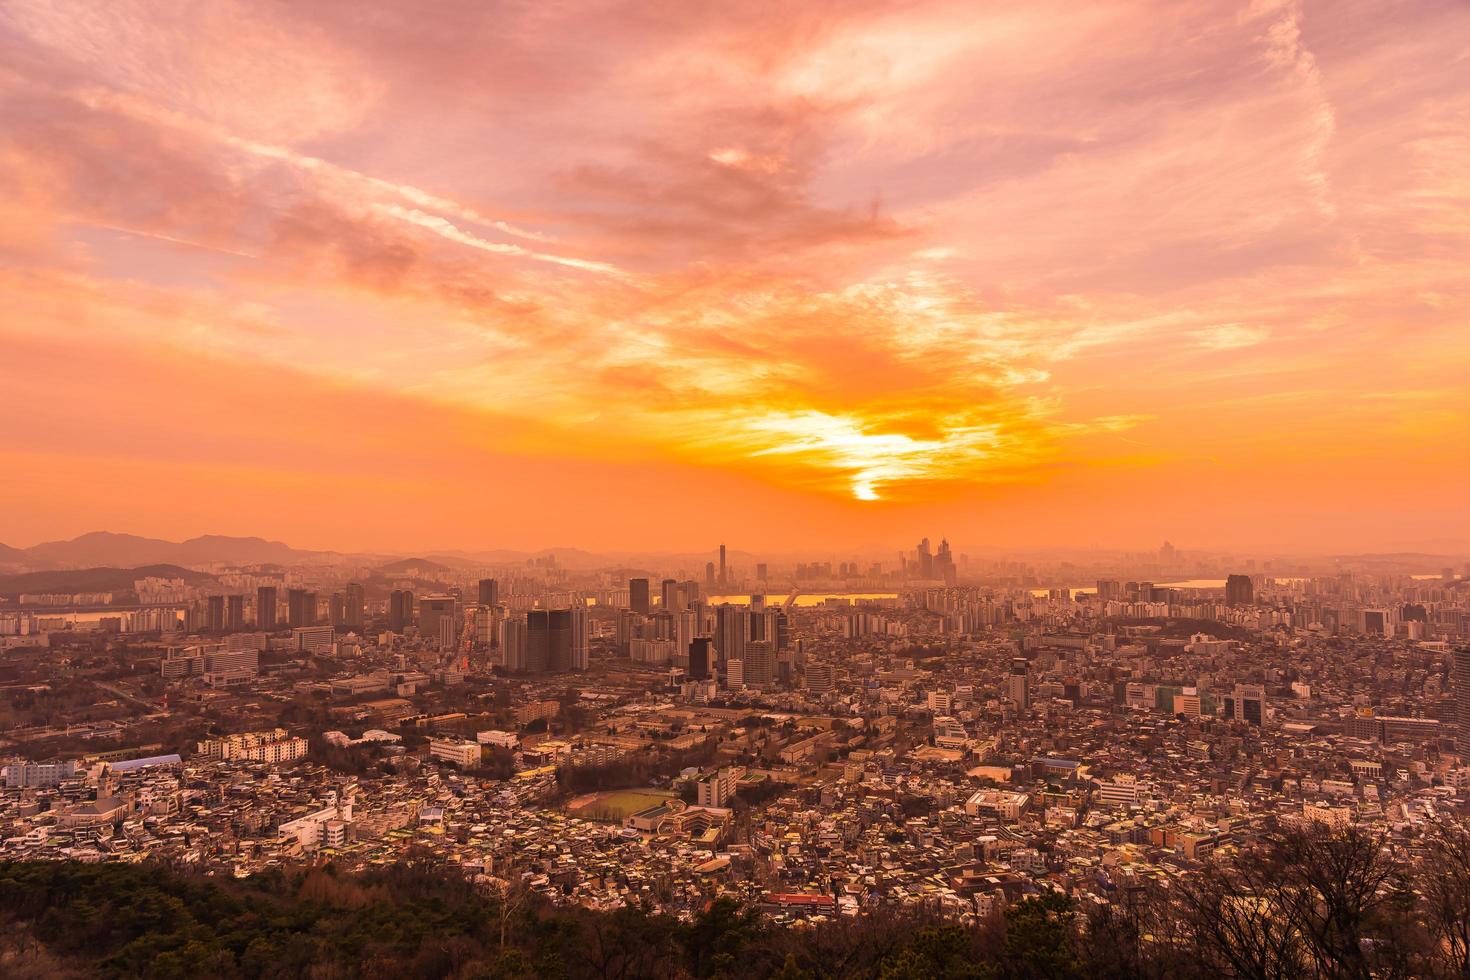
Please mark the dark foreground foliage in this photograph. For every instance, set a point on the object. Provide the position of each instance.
(1303, 904)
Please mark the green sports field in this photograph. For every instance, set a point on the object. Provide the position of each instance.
(615, 804)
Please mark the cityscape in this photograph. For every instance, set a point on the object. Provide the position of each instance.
(819, 739)
(638, 490)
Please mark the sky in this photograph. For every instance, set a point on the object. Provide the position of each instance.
(368, 275)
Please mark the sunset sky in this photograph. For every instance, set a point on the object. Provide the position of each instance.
(650, 275)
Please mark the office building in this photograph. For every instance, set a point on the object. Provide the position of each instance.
(1250, 704)
(699, 658)
(638, 597)
(400, 610)
(310, 639)
(439, 620)
(489, 592)
(1018, 684)
(1239, 590)
(265, 607)
(670, 597)
(300, 608)
(821, 678)
(355, 612)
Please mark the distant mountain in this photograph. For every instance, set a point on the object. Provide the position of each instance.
(105, 548)
(95, 579)
(11, 556)
(415, 568)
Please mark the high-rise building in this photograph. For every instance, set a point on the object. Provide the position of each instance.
(760, 571)
(1239, 590)
(214, 620)
(400, 610)
(234, 612)
(1250, 704)
(355, 612)
(699, 658)
(638, 597)
(265, 607)
(300, 608)
(489, 592)
(670, 596)
(735, 675)
(731, 632)
(760, 663)
(709, 575)
(1018, 683)
(556, 640)
(1461, 682)
(439, 620)
(723, 574)
(514, 644)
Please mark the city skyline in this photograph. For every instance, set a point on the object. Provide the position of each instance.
(1038, 277)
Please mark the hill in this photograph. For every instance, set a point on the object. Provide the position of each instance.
(106, 548)
(105, 579)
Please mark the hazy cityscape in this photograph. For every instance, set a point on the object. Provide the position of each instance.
(641, 490)
(821, 738)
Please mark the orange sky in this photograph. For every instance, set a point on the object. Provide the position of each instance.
(800, 275)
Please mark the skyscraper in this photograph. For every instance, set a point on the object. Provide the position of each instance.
(548, 640)
(638, 597)
(699, 658)
(731, 632)
(514, 644)
(669, 595)
(400, 610)
(489, 592)
(1239, 590)
(356, 606)
(1018, 683)
(1461, 683)
(760, 663)
(300, 608)
(215, 619)
(234, 612)
(265, 607)
(439, 620)
(723, 578)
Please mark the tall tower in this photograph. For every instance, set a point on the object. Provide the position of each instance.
(723, 574)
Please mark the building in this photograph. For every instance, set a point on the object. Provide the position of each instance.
(1250, 704)
(489, 592)
(735, 675)
(461, 752)
(1121, 790)
(718, 788)
(274, 746)
(355, 612)
(1461, 682)
(300, 608)
(638, 596)
(265, 607)
(439, 620)
(821, 679)
(699, 658)
(760, 663)
(527, 713)
(312, 639)
(36, 774)
(400, 610)
(1018, 684)
(1239, 591)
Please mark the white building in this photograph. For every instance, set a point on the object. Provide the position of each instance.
(461, 752)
